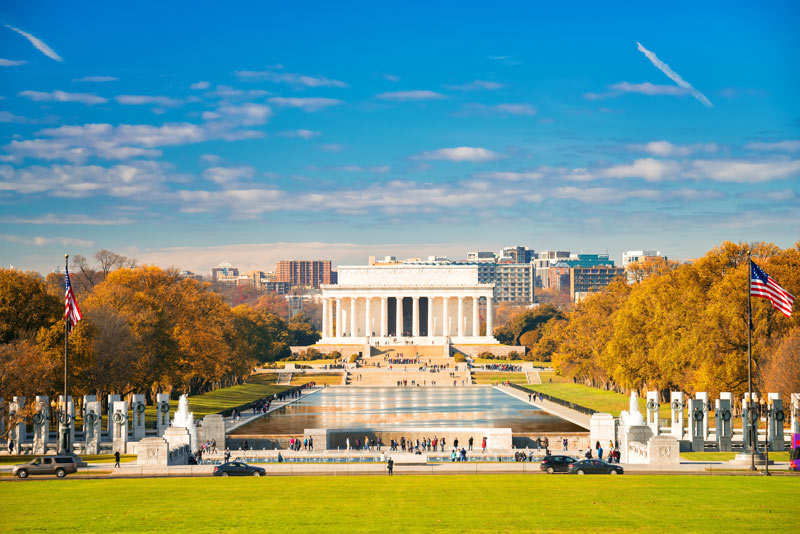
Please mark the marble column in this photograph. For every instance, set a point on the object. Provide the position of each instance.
(367, 317)
(331, 315)
(489, 317)
(353, 330)
(339, 330)
(445, 318)
(384, 315)
(430, 316)
(460, 328)
(415, 316)
(399, 317)
(324, 318)
(476, 322)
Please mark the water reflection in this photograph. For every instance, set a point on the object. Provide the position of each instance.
(395, 408)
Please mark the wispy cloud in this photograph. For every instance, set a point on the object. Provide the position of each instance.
(674, 76)
(477, 85)
(789, 145)
(229, 175)
(61, 219)
(391, 77)
(147, 100)
(306, 104)
(39, 241)
(499, 109)
(290, 78)
(96, 79)
(461, 153)
(199, 85)
(11, 62)
(62, 96)
(667, 149)
(408, 96)
(37, 43)
(302, 134)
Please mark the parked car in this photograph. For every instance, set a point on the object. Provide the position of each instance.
(60, 466)
(595, 467)
(238, 469)
(556, 464)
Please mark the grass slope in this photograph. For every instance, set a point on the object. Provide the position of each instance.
(483, 503)
(258, 387)
(597, 399)
(489, 377)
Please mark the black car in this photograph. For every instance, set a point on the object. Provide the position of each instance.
(556, 464)
(595, 467)
(239, 469)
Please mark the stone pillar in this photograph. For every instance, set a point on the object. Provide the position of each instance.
(724, 421)
(476, 322)
(703, 396)
(460, 328)
(602, 429)
(41, 424)
(652, 411)
(384, 316)
(353, 327)
(399, 317)
(415, 316)
(137, 416)
(119, 420)
(213, 428)
(445, 318)
(66, 424)
(367, 317)
(489, 317)
(696, 429)
(109, 423)
(324, 318)
(748, 419)
(430, 316)
(162, 413)
(775, 422)
(18, 432)
(339, 330)
(676, 403)
(92, 419)
(795, 413)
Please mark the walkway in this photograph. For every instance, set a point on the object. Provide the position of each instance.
(231, 425)
(580, 419)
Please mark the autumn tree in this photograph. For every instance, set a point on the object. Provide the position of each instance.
(25, 305)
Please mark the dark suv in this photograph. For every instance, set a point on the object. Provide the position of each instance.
(556, 464)
(46, 465)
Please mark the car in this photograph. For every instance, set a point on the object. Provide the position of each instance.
(595, 467)
(238, 469)
(556, 464)
(60, 466)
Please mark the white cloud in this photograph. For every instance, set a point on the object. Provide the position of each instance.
(146, 100)
(378, 169)
(461, 153)
(96, 79)
(57, 220)
(248, 114)
(306, 104)
(512, 176)
(37, 43)
(200, 85)
(39, 241)
(410, 96)
(332, 147)
(11, 62)
(648, 88)
(210, 159)
(477, 85)
(516, 109)
(674, 76)
(298, 80)
(228, 92)
(391, 77)
(650, 169)
(742, 171)
(246, 202)
(303, 134)
(789, 145)
(7, 116)
(228, 175)
(61, 96)
(667, 149)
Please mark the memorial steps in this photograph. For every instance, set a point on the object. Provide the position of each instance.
(412, 376)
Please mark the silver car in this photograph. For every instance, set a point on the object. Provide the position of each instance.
(46, 465)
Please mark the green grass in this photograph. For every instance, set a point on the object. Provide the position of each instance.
(90, 458)
(258, 387)
(492, 377)
(462, 503)
(597, 399)
(782, 456)
(321, 378)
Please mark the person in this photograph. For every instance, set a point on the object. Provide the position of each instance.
(390, 465)
(470, 443)
(463, 454)
(116, 459)
(442, 443)
(280, 458)
(347, 443)
(599, 451)
(453, 455)
(11, 446)
(588, 453)
(227, 455)
(483, 443)
(455, 443)
(565, 443)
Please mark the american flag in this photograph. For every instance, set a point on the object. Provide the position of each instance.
(763, 286)
(72, 313)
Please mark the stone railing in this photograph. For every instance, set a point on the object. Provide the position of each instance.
(638, 453)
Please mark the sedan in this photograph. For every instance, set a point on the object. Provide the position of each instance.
(238, 469)
(594, 467)
(556, 464)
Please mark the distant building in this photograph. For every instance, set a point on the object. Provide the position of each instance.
(584, 280)
(224, 272)
(517, 254)
(183, 273)
(306, 273)
(481, 256)
(637, 256)
(542, 263)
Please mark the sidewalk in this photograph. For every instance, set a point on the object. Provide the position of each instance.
(231, 425)
(580, 419)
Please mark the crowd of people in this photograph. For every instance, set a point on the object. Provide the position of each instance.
(612, 457)
(502, 367)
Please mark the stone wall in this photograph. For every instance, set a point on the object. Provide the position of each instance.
(497, 350)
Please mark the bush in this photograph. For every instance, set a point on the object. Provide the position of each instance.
(514, 355)
(335, 355)
(459, 357)
(486, 355)
(353, 358)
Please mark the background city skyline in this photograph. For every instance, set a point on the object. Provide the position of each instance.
(187, 137)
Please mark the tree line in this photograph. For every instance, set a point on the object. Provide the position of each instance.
(144, 329)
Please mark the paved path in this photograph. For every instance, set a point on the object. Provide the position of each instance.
(231, 425)
(580, 419)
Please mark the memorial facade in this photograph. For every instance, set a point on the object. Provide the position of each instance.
(414, 304)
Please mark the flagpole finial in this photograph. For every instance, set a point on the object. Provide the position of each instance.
(66, 256)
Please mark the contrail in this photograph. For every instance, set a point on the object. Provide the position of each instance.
(674, 76)
(38, 43)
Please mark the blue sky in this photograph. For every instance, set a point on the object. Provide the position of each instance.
(188, 134)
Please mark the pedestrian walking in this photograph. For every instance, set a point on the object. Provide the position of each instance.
(116, 459)
(390, 465)
(483, 444)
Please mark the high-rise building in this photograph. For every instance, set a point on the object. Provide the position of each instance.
(224, 272)
(636, 256)
(517, 254)
(584, 280)
(307, 273)
(481, 256)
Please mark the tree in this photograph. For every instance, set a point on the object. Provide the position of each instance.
(301, 332)
(779, 373)
(25, 305)
(273, 303)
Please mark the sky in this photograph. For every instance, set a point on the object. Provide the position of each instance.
(187, 134)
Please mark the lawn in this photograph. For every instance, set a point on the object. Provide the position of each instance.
(259, 386)
(781, 456)
(321, 378)
(461, 503)
(510, 362)
(597, 399)
(493, 377)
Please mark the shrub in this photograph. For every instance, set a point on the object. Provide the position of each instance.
(486, 355)
(353, 358)
(514, 355)
(335, 355)
(459, 357)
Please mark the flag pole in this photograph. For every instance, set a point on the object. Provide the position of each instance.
(753, 439)
(65, 438)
